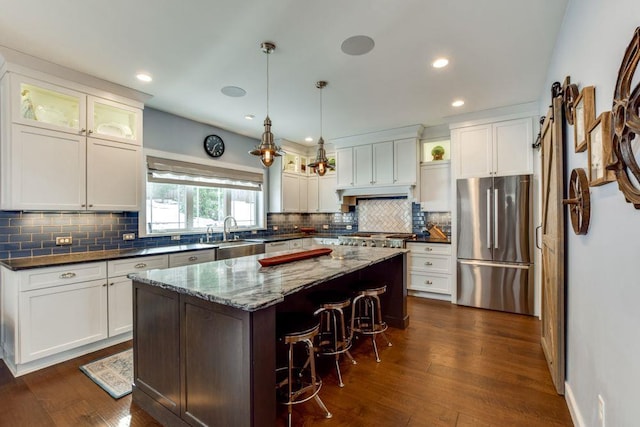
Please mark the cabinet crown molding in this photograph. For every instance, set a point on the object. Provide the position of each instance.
(412, 131)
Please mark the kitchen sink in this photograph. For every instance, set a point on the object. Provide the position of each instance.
(237, 248)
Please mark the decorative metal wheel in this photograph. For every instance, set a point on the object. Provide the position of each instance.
(626, 125)
(579, 201)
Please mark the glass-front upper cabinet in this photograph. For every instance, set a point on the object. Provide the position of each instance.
(36, 103)
(114, 121)
(291, 163)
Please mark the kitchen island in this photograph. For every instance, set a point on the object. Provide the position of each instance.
(204, 335)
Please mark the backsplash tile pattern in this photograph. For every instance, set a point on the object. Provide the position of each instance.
(423, 220)
(383, 215)
(291, 222)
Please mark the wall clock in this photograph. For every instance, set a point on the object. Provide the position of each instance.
(214, 146)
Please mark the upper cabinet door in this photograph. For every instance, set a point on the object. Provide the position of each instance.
(473, 145)
(114, 121)
(44, 105)
(363, 166)
(512, 153)
(405, 159)
(382, 163)
(344, 166)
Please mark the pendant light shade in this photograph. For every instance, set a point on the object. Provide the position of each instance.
(321, 163)
(267, 149)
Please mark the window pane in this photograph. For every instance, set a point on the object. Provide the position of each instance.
(244, 207)
(166, 207)
(208, 206)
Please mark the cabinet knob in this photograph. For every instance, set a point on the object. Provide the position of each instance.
(89, 132)
(428, 249)
(140, 265)
(83, 130)
(104, 285)
(111, 284)
(83, 205)
(193, 258)
(428, 282)
(90, 206)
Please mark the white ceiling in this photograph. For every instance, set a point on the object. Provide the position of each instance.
(499, 51)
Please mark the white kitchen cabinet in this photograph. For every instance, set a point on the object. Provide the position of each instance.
(429, 266)
(120, 289)
(313, 202)
(435, 186)
(379, 164)
(59, 140)
(290, 193)
(405, 161)
(494, 149)
(327, 197)
(288, 184)
(191, 257)
(345, 167)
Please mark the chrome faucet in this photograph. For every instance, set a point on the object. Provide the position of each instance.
(224, 226)
(209, 232)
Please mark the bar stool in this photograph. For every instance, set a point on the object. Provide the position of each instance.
(366, 316)
(297, 385)
(333, 339)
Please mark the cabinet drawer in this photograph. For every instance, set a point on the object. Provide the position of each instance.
(430, 263)
(55, 276)
(193, 257)
(296, 244)
(276, 246)
(122, 267)
(429, 248)
(438, 283)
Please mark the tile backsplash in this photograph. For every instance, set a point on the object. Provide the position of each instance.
(385, 215)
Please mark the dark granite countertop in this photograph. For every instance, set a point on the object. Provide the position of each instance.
(429, 239)
(82, 257)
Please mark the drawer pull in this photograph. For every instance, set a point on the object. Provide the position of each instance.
(193, 258)
(428, 282)
(279, 244)
(111, 284)
(428, 249)
(428, 263)
(67, 275)
(140, 265)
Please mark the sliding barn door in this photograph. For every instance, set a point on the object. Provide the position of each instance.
(553, 289)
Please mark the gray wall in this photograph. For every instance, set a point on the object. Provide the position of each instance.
(603, 296)
(167, 132)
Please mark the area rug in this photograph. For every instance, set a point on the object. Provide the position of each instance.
(113, 373)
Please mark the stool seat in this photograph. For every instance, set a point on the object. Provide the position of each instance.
(370, 288)
(332, 298)
(294, 324)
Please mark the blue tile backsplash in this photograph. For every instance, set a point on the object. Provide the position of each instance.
(27, 234)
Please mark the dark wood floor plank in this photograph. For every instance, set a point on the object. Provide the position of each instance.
(453, 366)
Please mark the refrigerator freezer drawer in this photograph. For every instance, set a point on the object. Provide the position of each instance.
(503, 287)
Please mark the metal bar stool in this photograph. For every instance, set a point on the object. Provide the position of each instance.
(366, 316)
(297, 385)
(333, 339)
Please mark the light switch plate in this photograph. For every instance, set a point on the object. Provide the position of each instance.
(325, 226)
(175, 237)
(64, 241)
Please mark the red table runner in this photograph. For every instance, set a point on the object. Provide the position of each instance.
(281, 259)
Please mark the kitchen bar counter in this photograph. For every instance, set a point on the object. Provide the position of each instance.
(242, 283)
(205, 339)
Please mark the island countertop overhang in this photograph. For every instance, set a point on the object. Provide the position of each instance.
(242, 283)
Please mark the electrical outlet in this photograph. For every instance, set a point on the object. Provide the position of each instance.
(64, 241)
(254, 231)
(175, 237)
(295, 227)
(601, 412)
(128, 236)
(325, 226)
(349, 227)
(275, 228)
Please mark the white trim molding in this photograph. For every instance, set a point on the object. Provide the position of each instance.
(576, 415)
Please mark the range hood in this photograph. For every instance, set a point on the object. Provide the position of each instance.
(377, 191)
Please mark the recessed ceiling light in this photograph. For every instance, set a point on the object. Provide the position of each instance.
(233, 91)
(440, 63)
(249, 116)
(357, 45)
(309, 139)
(457, 103)
(144, 77)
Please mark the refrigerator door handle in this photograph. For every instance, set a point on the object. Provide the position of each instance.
(494, 264)
(495, 218)
(488, 218)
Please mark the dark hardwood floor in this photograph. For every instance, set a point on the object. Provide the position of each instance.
(453, 366)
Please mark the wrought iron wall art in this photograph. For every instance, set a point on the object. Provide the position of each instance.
(579, 201)
(626, 125)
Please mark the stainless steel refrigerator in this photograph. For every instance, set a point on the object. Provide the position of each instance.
(495, 253)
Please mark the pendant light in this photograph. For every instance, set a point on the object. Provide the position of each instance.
(267, 150)
(321, 164)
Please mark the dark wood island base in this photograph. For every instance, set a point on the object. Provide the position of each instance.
(204, 363)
